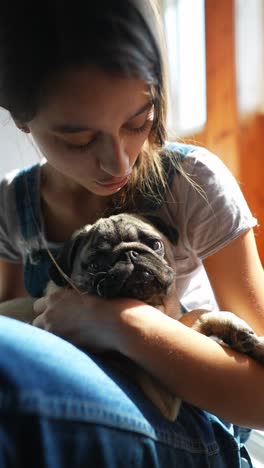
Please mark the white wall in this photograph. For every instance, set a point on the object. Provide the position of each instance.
(16, 148)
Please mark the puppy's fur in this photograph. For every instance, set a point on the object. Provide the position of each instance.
(129, 256)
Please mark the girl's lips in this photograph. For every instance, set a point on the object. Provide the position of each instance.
(114, 183)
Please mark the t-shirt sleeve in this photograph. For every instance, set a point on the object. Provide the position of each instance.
(214, 212)
(9, 231)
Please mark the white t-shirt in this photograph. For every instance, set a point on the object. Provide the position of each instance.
(206, 219)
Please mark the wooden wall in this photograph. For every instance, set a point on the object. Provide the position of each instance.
(251, 150)
(238, 142)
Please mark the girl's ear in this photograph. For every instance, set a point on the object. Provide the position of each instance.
(66, 257)
(169, 231)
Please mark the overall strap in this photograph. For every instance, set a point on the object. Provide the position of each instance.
(180, 148)
(27, 202)
(27, 192)
(175, 150)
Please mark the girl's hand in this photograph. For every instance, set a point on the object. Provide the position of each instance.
(83, 320)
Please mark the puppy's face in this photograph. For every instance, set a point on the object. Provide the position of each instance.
(120, 256)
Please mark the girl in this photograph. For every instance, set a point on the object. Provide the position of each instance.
(88, 83)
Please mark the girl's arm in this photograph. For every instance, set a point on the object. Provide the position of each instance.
(192, 366)
(14, 299)
(199, 370)
(237, 278)
(11, 280)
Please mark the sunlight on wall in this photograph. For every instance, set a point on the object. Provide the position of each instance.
(185, 37)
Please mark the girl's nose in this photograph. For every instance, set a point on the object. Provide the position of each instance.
(113, 158)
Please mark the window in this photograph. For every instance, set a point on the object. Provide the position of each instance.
(17, 149)
(249, 33)
(185, 38)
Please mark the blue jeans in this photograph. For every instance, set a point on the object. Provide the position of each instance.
(61, 407)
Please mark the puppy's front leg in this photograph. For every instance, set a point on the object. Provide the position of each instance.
(258, 350)
(226, 326)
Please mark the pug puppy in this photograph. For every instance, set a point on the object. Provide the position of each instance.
(121, 256)
(127, 255)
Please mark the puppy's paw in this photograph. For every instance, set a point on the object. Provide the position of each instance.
(241, 339)
(258, 350)
(229, 328)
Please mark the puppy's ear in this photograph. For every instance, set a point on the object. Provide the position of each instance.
(66, 257)
(169, 231)
(65, 261)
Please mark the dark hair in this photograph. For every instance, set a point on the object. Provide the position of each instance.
(40, 39)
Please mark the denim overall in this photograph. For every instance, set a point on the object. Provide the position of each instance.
(61, 407)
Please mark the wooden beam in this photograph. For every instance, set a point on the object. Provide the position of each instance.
(238, 143)
(252, 169)
(221, 132)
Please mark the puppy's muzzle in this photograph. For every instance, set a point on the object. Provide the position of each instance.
(138, 274)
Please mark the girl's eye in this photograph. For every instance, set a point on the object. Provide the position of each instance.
(82, 148)
(140, 129)
(134, 124)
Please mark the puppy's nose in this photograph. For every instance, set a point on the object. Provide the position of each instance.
(129, 256)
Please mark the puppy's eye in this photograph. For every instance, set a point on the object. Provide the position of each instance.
(156, 245)
(89, 266)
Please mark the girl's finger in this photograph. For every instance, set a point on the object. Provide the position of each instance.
(40, 305)
(38, 322)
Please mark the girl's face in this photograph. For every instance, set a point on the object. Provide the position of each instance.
(92, 127)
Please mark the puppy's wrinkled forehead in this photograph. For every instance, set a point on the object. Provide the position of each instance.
(106, 233)
(117, 229)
